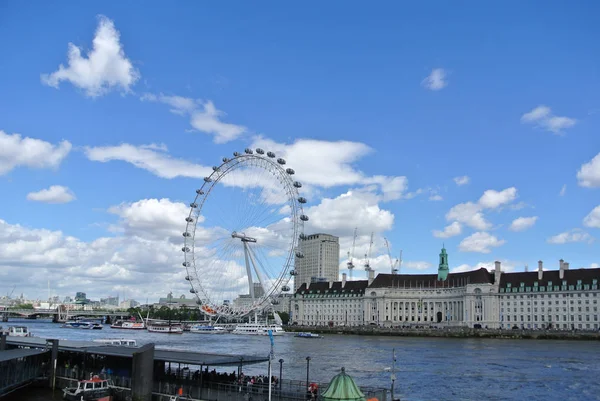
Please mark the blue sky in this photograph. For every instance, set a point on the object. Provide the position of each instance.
(380, 108)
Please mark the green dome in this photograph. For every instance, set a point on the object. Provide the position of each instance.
(343, 388)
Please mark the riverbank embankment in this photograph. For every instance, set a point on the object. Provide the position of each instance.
(452, 332)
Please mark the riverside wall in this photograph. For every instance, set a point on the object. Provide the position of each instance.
(451, 332)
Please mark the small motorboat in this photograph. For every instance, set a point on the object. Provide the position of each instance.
(164, 327)
(82, 325)
(308, 335)
(18, 331)
(128, 325)
(94, 389)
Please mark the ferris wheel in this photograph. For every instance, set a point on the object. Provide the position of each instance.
(243, 234)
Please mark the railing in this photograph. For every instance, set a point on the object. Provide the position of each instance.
(202, 389)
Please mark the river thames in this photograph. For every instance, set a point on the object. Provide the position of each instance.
(427, 368)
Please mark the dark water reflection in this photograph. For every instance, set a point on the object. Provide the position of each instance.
(428, 368)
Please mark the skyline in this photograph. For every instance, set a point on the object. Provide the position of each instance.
(475, 131)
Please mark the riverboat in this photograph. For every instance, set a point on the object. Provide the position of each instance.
(258, 329)
(308, 335)
(94, 389)
(123, 342)
(167, 328)
(18, 331)
(202, 329)
(128, 325)
(82, 325)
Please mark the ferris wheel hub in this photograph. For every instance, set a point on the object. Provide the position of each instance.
(242, 236)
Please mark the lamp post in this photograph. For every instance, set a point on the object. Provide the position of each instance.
(280, 372)
(307, 370)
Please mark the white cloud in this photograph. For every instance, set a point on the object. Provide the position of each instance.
(480, 242)
(416, 265)
(492, 199)
(472, 214)
(148, 157)
(589, 174)
(17, 151)
(436, 197)
(339, 216)
(449, 231)
(593, 218)
(436, 80)
(469, 213)
(462, 180)
(105, 67)
(54, 194)
(523, 223)
(575, 235)
(329, 163)
(542, 116)
(563, 190)
(204, 116)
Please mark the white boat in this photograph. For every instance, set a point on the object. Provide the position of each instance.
(82, 325)
(93, 389)
(204, 329)
(308, 335)
(258, 329)
(128, 324)
(167, 328)
(124, 342)
(18, 331)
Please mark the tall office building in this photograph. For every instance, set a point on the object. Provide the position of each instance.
(321, 261)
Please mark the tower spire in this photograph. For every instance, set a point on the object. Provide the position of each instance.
(443, 267)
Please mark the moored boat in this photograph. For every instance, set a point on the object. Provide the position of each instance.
(18, 331)
(164, 327)
(308, 335)
(128, 325)
(94, 389)
(82, 325)
(258, 329)
(207, 329)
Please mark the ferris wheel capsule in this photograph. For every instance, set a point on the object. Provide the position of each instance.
(226, 160)
(188, 278)
(299, 254)
(302, 200)
(271, 154)
(189, 219)
(260, 151)
(193, 205)
(303, 217)
(281, 161)
(215, 168)
(193, 291)
(293, 273)
(185, 249)
(290, 171)
(186, 234)
(207, 179)
(236, 154)
(285, 288)
(186, 264)
(297, 184)
(200, 192)
(248, 151)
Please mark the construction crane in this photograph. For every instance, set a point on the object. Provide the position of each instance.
(399, 262)
(350, 263)
(393, 263)
(368, 255)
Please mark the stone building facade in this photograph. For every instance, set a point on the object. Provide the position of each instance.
(561, 299)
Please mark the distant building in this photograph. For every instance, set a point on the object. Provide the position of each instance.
(174, 302)
(112, 301)
(320, 260)
(68, 300)
(128, 303)
(81, 299)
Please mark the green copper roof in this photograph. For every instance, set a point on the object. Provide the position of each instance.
(343, 388)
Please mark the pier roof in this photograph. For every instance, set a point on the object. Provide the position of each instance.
(166, 355)
(10, 354)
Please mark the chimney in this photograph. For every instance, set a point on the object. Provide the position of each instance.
(563, 266)
(371, 276)
(497, 271)
(343, 280)
(540, 269)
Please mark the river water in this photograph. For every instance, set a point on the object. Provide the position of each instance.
(427, 368)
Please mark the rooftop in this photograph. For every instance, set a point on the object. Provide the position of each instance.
(529, 278)
(480, 276)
